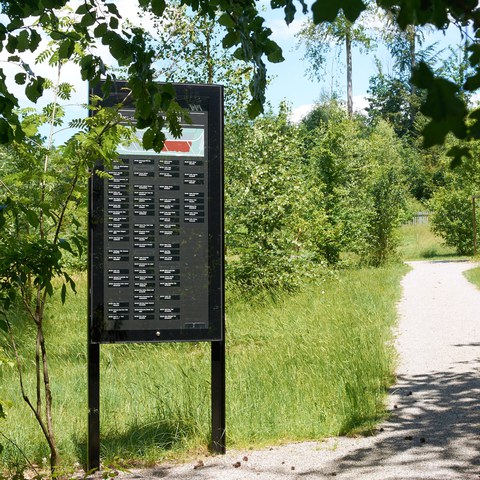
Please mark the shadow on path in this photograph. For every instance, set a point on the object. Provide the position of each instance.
(434, 430)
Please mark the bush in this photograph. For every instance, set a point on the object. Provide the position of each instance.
(452, 219)
(452, 203)
(273, 213)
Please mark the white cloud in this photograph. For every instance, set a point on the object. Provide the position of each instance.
(360, 103)
(300, 112)
(281, 31)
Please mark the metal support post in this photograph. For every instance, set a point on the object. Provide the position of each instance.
(218, 397)
(93, 441)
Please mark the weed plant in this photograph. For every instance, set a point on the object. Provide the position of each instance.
(300, 367)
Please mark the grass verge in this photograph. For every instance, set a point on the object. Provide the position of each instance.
(473, 276)
(305, 366)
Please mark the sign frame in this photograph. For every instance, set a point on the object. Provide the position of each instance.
(195, 98)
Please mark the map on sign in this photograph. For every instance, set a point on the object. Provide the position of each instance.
(190, 144)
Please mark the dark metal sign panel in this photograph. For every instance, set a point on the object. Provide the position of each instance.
(156, 247)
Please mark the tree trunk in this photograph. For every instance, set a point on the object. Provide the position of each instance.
(411, 38)
(209, 55)
(411, 35)
(348, 51)
(52, 443)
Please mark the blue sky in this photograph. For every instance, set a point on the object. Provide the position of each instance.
(289, 79)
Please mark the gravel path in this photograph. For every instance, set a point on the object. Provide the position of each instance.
(433, 432)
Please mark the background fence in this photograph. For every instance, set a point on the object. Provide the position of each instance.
(419, 218)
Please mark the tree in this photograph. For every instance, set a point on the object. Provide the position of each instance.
(245, 30)
(339, 171)
(452, 203)
(390, 98)
(188, 48)
(318, 40)
(41, 186)
(386, 194)
(101, 20)
(274, 211)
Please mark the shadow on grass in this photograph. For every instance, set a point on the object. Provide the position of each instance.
(432, 254)
(138, 442)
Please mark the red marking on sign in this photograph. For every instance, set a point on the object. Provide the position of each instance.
(177, 146)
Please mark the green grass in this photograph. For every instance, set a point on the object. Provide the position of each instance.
(309, 365)
(419, 243)
(473, 276)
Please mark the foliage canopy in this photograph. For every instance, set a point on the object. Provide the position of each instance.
(245, 33)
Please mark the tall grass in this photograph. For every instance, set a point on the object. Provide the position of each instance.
(302, 367)
(418, 242)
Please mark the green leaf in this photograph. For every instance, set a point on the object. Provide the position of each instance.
(255, 108)
(20, 78)
(112, 8)
(226, 20)
(23, 41)
(34, 89)
(6, 132)
(328, 10)
(442, 104)
(11, 44)
(88, 19)
(274, 52)
(2, 415)
(422, 76)
(62, 243)
(3, 327)
(352, 9)
(66, 48)
(458, 153)
(158, 7)
(101, 30)
(35, 39)
(78, 244)
(82, 9)
(49, 288)
(169, 90)
(239, 53)
(32, 218)
(113, 23)
(230, 39)
(148, 138)
(64, 293)
(473, 82)
(325, 11)
(87, 67)
(290, 11)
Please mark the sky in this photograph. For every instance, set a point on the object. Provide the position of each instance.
(288, 79)
(291, 82)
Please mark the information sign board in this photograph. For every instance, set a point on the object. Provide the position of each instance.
(156, 231)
